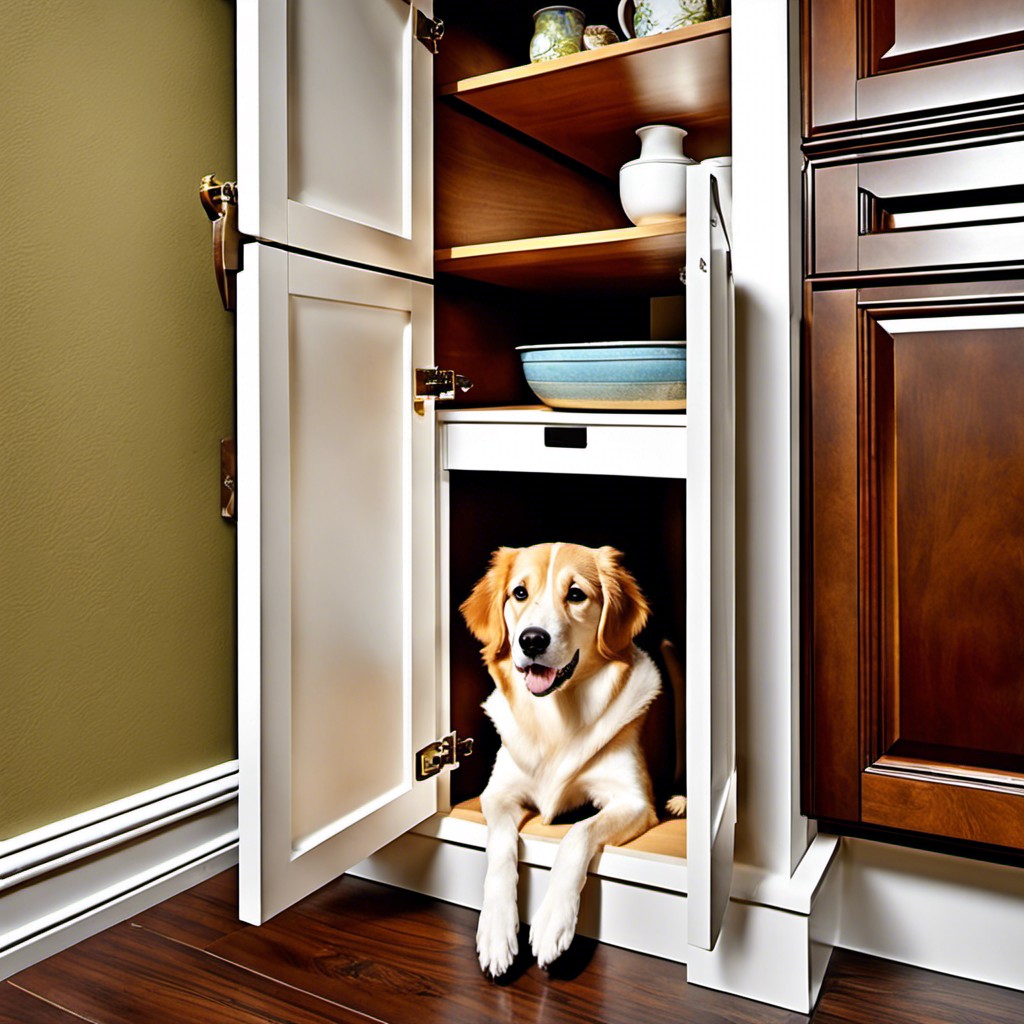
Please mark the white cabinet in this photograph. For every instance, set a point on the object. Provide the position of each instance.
(345, 519)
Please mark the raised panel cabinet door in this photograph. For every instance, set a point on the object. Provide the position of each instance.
(914, 699)
(874, 60)
(335, 138)
(337, 605)
(942, 451)
(710, 562)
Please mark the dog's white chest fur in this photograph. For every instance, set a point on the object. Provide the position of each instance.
(572, 747)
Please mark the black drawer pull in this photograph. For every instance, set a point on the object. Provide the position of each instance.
(565, 437)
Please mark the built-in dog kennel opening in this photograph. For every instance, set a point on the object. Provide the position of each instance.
(643, 518)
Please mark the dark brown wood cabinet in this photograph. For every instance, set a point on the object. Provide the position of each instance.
(869, 62)
(913, 422)
(916, 513)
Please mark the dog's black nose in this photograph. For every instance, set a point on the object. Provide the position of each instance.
(534, 641)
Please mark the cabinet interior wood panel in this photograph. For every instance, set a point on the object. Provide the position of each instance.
(492, 187)
(479, 325)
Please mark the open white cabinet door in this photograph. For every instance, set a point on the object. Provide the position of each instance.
(336, 504)
(337, 606)
(335, 141)
(710, 562)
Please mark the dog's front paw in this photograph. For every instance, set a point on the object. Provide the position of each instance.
(497, 938)
(553, 927)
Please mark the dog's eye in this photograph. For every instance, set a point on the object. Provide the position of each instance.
(575, 595)
(520, 594)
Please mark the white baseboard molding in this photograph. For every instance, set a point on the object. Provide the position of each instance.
(775, 946)
(778, 934)
(619, 913)
(70, 879)
(948, 914)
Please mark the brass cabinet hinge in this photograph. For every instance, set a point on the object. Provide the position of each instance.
(438, 384)
(220, 201)
(440, 754)
(429, 31)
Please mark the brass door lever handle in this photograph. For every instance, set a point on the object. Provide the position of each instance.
(220, 201)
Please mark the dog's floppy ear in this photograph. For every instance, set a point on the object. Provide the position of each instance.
(625, 609)
(484, 609)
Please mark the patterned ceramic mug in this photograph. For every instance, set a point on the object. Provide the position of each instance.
(557, 32)
(653, 16)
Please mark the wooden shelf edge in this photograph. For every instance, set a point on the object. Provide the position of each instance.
(616, 51)
(666, 839)
(610, 236)
(543, 414)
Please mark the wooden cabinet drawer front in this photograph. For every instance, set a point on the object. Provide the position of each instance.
(536, 448)
(955, 207)
(872, 61)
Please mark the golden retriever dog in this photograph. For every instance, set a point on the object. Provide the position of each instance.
(557, 623)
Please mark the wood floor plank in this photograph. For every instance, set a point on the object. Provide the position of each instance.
(129, 975)
(200, 915)
(860, 989)
(18, 1007)
(403, 958)
(356, 951)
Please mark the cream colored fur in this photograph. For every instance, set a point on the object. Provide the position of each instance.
(576, 744)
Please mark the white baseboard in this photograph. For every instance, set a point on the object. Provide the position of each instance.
(619, 913)
(949, 914)
(778, 934)
(773, 953)
(70, 879)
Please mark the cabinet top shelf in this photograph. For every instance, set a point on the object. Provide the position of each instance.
(588, 105)
(647, 259)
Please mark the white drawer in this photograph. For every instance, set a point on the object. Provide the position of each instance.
(597, 449)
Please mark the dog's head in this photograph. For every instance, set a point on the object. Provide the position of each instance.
(554, 608)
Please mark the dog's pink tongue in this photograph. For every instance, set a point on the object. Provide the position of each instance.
(539, 678)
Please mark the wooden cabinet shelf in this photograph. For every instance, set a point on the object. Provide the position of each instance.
(646, 259)
(588, 105)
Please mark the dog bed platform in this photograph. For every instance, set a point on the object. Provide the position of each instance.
(667, 838)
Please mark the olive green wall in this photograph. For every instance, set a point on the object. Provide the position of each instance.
(116, 384)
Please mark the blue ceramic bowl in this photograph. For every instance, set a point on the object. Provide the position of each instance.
(643, 375)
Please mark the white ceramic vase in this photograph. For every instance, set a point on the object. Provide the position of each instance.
(653, 187)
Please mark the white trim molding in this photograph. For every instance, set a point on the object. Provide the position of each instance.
(778, 937)
(933, 910)
(67, 880)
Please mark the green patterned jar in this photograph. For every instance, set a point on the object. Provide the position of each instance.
(651, 17)
(557, 32)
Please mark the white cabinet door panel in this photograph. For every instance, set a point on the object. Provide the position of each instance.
(710, 563)
(337, 574)
(335, 130)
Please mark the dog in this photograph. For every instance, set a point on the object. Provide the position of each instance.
(557, 624)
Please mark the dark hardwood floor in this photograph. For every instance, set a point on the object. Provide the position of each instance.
(358, 952)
